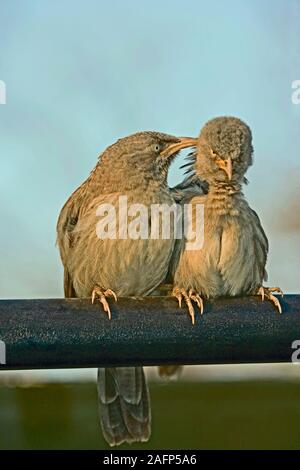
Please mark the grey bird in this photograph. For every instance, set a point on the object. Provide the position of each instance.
(232, 260)
(135, 167)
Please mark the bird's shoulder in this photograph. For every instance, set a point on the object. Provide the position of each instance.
(68, 215)
(190, 187)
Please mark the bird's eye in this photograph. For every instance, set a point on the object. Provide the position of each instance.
(156, 147)
(214, 154)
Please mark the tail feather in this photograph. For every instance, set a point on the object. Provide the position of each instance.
(124, 405)
(112, 423)
(107, 390)
(129, 381)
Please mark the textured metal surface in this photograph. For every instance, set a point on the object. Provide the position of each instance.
(60, 333)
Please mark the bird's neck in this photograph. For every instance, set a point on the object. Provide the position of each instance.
(223, 198)
(225, 187)
(136, 181)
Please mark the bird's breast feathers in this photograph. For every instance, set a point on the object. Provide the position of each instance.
(233, 256)
(114, 246)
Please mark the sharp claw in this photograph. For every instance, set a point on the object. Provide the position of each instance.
(105, 306)
(261, 292)
(97, 292)
(279, 309)
(188, 298)
(196, 298)
(276, 303)
(108, 313)
(202, 306)
(191, 310)
(111, 293)
(266, 292)
(199, 303)
(192, 314)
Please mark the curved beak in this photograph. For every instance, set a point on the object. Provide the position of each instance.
(183, 142)
(226, 165)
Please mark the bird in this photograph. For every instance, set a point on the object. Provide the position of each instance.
(232, 259)
(134, 167)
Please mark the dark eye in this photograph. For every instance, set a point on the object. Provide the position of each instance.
(156, 147)
(214, 154)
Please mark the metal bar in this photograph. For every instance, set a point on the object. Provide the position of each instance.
(66, 333)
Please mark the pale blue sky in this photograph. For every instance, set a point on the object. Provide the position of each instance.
(80, 74)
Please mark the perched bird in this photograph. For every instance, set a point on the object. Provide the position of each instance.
(135, 167)
(233, 257)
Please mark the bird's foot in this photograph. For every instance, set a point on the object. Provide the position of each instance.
(267, 293)
(188, 297)
(169, 372)
(101, 295)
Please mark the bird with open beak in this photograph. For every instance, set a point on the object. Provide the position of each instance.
(135, 167)
(233, 257)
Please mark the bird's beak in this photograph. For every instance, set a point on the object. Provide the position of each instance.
(183, 142)
(226, 165)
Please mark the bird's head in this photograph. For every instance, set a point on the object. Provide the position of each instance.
(224, 150)
(145, 154)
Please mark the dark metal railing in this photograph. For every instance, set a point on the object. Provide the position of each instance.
(63, 333)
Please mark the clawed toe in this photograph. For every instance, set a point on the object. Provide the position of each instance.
(267, 293)
(101, 295)
(188, 297)
(199, 301)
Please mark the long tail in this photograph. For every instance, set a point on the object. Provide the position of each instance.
(124, 405)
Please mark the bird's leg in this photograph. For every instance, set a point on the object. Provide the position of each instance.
(168, 372)
(188, 297)
(267, 293)
(101, 294)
